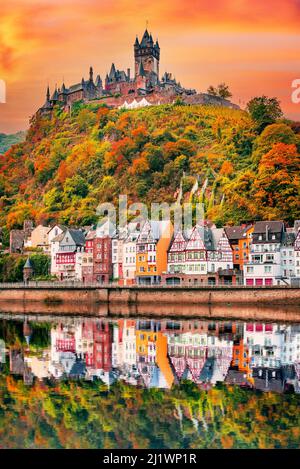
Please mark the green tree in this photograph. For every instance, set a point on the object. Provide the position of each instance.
(222, 91)
(264, 111)
(76, 186)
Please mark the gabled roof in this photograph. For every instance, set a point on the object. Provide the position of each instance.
(234, 233)
(58, 238)
(273, 226)
(58, 225)
(154, 229)
(77, 236)
(196, 236)
(91, 235)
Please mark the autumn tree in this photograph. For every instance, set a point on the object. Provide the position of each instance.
(264, 111)
(222, 91)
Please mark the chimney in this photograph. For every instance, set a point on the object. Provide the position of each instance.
(128, 73)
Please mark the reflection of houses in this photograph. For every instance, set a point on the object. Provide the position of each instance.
(19, 367)
(264, 343)
(39, 364)
(268, 379)
(2, 351)
(152, 355)
(291, 345)
(220, 350)
(187, 352)
(63, 350)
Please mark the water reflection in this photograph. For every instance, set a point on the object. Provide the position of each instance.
(154, 353)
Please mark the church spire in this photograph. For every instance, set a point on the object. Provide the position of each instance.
(48, 94)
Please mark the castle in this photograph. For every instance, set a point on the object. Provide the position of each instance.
(120, 88)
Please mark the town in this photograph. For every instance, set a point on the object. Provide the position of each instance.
(261, 254)
(160, 354)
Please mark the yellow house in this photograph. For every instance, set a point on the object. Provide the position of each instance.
(152, 251)
(151, 350)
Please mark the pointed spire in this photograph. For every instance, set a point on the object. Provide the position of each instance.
(91, 74)
(98, 81)
(55, 94)
(63, 88)
(145, 39)
(141, 71)
(137, 44)
(48, 94)
(112, 72)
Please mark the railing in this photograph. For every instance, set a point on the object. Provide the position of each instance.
(80, 285)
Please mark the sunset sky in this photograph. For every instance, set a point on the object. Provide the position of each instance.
(254, 46)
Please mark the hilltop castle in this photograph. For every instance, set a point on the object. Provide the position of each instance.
(120, 88)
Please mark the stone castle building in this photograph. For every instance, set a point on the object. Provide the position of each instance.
(145, 80)
(123, 90)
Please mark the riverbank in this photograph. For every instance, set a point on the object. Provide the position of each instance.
(151, 295)
(276, 303)
(35, 309)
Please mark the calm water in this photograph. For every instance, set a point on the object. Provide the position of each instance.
(98, 383)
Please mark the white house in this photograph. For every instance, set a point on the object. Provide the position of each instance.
(129, 253)
(264, 266)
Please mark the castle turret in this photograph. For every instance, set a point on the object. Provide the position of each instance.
(149, 54)
(99, 82)
(54, 98)
(91, 75)
(112, 73)
(47, 105)
(27, 271)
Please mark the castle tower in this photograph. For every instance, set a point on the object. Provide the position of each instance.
(147, 53)
(91, 75)
(27, 271)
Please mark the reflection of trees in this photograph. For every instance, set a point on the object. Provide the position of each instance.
(86, 415)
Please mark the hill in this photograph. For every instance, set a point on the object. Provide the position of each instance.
(6, 141)
(68, 164)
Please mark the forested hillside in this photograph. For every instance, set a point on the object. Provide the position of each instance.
(6, 141)
(87, 415)
(70, 163)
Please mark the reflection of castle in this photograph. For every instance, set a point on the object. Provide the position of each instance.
(161, 353)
